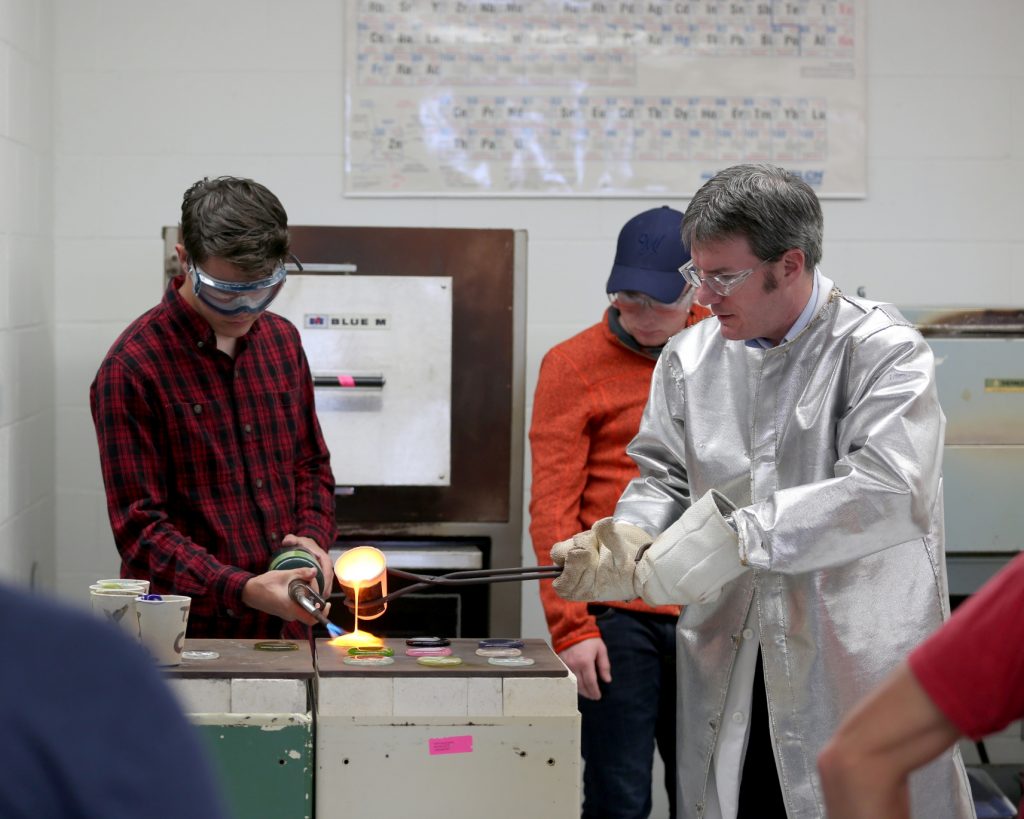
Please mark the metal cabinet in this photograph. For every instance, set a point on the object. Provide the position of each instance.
(469, 741)
(979, 371)
(254, 709)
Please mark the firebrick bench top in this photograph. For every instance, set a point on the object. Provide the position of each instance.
(330, 662)
(242, 659)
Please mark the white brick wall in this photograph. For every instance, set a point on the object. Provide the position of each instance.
(27, 356)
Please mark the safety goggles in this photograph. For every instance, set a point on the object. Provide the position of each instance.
(641, 301)
(722, 283)
(234, 298)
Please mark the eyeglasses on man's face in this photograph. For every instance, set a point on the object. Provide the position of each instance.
(721, 283)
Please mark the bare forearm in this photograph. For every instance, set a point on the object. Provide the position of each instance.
(892, 732)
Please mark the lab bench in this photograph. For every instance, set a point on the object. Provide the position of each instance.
(298, 735)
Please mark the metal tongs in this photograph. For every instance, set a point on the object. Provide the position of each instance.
(468, 577)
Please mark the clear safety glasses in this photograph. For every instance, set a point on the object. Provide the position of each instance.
(722, 283)
(234, 298)
(641, 301)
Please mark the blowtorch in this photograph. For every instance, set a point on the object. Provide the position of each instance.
(300, 591)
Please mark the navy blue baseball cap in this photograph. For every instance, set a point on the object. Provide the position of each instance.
(649, 254)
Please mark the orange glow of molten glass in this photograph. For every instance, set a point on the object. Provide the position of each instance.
(356, 638)
(359, 568)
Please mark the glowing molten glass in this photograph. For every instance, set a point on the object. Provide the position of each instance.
(360, 567)
(361, 570)
(356, 638)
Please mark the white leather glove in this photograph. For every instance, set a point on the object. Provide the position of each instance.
(691, 560)
(599, 564)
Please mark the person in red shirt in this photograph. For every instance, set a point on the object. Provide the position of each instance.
(590, 396)
(211, 452)
(967, 679)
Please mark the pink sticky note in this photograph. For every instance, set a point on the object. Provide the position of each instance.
(451, 745)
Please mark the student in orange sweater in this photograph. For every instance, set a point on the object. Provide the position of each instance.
(590, 395)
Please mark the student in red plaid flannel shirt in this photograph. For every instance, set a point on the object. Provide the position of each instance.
(212, 455)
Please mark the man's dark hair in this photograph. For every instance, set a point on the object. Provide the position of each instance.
(774, 209)
(235, 219)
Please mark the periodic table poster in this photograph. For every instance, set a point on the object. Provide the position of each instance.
(600, 98)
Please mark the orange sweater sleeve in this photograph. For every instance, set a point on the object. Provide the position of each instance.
(559, 444)
(590, 397)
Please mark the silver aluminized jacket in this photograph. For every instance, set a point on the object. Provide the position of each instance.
(831, 444)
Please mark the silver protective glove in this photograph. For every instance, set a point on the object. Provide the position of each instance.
(691, 560)
(599, 564)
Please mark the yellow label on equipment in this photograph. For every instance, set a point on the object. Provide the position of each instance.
(1004, 385)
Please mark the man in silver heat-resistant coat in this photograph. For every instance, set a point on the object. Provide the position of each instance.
(790, 461)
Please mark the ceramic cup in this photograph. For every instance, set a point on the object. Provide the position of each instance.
(117, 606)
(122, 583)
(162, 620)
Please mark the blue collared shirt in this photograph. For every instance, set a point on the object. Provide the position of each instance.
(803, 319)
